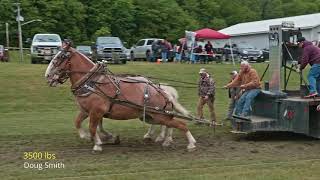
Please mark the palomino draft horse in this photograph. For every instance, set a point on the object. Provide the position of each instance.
(99, 94)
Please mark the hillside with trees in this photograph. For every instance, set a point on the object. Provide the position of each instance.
(84, 20)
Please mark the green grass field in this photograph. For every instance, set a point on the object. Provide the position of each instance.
(37, 118)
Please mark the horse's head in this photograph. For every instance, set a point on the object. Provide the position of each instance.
(58, 70)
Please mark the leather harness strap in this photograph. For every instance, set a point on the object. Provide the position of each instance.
(87, 77)
(116, 82)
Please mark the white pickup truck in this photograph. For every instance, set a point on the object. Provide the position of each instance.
(44, 47)
(142, 49)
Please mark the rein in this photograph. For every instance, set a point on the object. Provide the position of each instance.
(138, 81)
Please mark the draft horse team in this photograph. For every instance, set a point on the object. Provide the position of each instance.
(100, 94)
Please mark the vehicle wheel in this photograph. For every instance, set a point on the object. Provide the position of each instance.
(124, 61)
(131, 56)
(33, 61)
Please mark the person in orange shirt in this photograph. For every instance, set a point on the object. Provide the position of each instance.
(249, 82)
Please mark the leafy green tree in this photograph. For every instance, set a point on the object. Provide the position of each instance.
(163, 18)
(271, 9)
(84, 20)
(122, 19)
(7, 16)
(299, 7)
(103, 31)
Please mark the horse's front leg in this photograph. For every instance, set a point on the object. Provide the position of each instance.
(95, 117)
(79, 119)
(161, 136)
(149, 134)
(107, 136)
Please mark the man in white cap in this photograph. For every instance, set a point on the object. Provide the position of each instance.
(233, 95)
(249, 82)
(206, 92)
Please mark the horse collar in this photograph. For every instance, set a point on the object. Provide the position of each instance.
(85, 78)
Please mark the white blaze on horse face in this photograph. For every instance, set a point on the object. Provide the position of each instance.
(50, 66)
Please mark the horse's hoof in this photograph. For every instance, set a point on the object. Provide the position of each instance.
(97, 148)
(117, 140)
(96, 152)
(147, 136)
(167, 143)
(147, 140)
(159, 139)
(85, 137)
(191, 148)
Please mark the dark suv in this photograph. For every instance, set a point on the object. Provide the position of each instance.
(110, 49)
(244, 51)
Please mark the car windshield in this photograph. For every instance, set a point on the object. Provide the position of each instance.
(84, 48)
(109, 40)
(245, 46)
(47, 38)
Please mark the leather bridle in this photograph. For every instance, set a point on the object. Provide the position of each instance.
(63, 72)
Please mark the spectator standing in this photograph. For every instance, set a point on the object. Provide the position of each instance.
(206, 92)
(155, 47)
(233, 95)
(165, 48)
(209, 50)
(198, 50)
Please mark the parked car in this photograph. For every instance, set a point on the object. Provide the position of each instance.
(44, 47)
(85, 50)
(265, 53)
(127, 52)
(110, 49)
(245, 51)
(142, 49)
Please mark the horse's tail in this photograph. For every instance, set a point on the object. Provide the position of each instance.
(173, 96)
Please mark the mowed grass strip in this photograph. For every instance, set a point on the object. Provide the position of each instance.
(35, 117)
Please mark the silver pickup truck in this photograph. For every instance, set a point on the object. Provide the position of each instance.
(44, 47)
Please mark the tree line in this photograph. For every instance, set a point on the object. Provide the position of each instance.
(84, 20)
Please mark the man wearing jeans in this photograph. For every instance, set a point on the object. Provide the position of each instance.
(249, 82)
(310, 55)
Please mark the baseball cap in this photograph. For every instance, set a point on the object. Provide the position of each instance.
(233, 72)
(202, 70)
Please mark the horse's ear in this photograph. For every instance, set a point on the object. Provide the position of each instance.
(67, 43)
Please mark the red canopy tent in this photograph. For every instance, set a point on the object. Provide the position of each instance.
(207, 33)
(210, 34)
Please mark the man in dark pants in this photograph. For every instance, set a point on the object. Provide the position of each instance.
(233, 95)
(310, 55)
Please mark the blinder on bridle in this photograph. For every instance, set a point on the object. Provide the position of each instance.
(64, 57)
